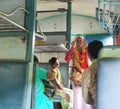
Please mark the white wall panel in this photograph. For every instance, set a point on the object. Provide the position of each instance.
(80, 24)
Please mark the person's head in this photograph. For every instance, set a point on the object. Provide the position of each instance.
(36, 60)
(94, 48)
(79, 41)
(54, 62)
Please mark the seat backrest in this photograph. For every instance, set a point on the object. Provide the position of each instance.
(13, 85)
(108, 86)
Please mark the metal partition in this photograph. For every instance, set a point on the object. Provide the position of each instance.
(13, 90)
(17, 29)
(17, 26)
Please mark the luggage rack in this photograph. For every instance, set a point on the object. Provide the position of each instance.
(7, 24)
(109, 15)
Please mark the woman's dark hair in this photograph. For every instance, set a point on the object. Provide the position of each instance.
(52, 60)
(94, 48)
(36, 59)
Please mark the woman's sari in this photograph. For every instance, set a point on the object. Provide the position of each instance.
(65, 93)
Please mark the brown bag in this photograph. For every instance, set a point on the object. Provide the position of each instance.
(50, 89)
(76, 76)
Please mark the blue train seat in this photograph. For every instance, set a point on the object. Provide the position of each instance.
(14, 85)
(108, 86)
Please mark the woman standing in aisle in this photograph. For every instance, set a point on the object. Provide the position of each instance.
(79, 56)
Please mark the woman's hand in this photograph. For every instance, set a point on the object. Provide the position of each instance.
(58, 85)
(74, 44)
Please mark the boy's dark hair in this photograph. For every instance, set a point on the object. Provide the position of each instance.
(36, 59)
(94, 48)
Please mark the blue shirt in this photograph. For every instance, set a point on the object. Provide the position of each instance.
(42, 101)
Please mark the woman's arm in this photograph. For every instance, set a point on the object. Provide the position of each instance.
(59, 86)
(69, 55)
(52, 76)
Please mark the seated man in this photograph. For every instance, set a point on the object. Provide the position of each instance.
(90, 74)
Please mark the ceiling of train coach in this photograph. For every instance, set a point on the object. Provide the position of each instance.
(79, 7)
(86, 7)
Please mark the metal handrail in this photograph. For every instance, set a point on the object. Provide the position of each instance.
(13, 11)
(12, 22)
(4, 16)
(42, 35)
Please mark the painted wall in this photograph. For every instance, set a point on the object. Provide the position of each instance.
(81, 24)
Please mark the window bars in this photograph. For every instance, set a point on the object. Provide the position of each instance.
(108, 15)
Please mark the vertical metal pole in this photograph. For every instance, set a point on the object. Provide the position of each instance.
(99, 13)
(30, 24)
(110, 24)
(69, 24)
(68, 38)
